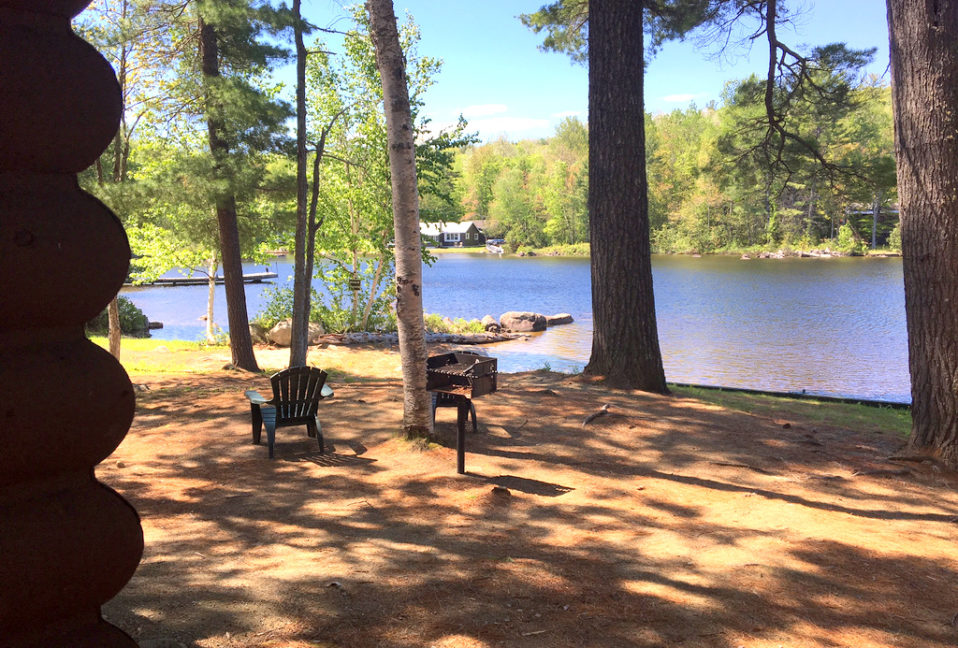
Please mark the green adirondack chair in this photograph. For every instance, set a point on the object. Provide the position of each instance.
(296, 395)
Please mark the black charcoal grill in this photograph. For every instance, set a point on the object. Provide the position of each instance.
(455, 379)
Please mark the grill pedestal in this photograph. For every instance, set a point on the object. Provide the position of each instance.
(455, 379)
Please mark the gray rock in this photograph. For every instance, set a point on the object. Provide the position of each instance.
(282, 333)
(316, 331)
(258, 332)
(522, 321)
(558, 318)
(490, 324)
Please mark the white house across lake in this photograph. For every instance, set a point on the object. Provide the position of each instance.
(464, 234)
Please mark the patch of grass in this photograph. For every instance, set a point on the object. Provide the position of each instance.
(150, 356)
(566, 249)
(866, 418)
(438, 324)
(418, 444)
(151, 344)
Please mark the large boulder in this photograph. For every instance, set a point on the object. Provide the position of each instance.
(559, 318)
(522, 321)
(282, 333)
(489, 323)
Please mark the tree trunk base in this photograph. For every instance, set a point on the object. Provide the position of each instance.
(419, 433)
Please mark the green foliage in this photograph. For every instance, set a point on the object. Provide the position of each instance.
(847, 242)
(279, 307)
(566, 23)
(439, 324)
(132, 320)
(706, 192)
(565, 250)
(894, 238)
(532, 194)
(334, 310)
(354, 205)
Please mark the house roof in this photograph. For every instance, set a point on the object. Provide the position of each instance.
(435, 229)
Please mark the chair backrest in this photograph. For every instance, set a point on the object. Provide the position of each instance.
(297, 392)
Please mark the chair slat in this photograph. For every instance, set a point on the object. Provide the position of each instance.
(296, 396)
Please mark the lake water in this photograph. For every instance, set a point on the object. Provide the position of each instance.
(827, 326)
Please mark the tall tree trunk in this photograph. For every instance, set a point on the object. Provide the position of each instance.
(625, 342)
(373, 291)
(114, 331)
(417, 420)
(876, 207)
(299, 339)
(241, 342)
(210, 296)
(924, 63)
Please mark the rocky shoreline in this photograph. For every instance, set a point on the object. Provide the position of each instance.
(511, 325)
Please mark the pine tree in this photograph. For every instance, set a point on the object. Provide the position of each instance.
(241, 119)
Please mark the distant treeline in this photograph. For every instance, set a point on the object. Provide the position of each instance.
(714, 185)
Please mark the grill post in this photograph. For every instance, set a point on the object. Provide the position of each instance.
(462, 413)
(455, 379)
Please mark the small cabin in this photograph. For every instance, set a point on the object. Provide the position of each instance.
(464, 234)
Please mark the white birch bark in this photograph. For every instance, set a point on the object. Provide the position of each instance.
(417, 419)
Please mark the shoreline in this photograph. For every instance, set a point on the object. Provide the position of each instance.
(146, 355)
(743, 253)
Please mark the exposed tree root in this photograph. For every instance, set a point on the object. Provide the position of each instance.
(591, 417)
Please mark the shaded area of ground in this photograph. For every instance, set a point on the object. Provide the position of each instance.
(666, 522)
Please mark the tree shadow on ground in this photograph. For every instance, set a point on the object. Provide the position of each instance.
(646, 527)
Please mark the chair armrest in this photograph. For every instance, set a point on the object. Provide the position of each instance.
(325, 392)
(255, 398)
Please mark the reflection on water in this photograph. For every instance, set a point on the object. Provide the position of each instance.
(828, 326)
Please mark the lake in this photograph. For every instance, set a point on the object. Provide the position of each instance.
(827, 326)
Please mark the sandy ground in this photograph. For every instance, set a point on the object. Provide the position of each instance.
(667, 522)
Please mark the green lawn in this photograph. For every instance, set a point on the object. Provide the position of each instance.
(883, 420)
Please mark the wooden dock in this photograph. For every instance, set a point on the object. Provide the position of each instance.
(254, 277)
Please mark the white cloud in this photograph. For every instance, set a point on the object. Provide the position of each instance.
(484, 110)
(681, 98)
(511, 127)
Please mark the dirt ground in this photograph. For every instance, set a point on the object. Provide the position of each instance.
(666, 522)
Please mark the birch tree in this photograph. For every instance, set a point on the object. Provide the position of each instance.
(405, 200)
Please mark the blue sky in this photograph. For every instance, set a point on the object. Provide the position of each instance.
(496, 77)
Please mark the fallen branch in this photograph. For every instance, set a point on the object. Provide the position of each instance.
(883, 472)
(591, 417)
(741, 465)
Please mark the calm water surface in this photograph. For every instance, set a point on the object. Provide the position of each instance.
(828, 326)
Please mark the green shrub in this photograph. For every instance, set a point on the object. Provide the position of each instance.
(132, 320)
(847, 242)
(565, 249)
(336, 315)
(437, 324)
(894, 238)
(279, 307)
(434, 323)
(469, 326)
